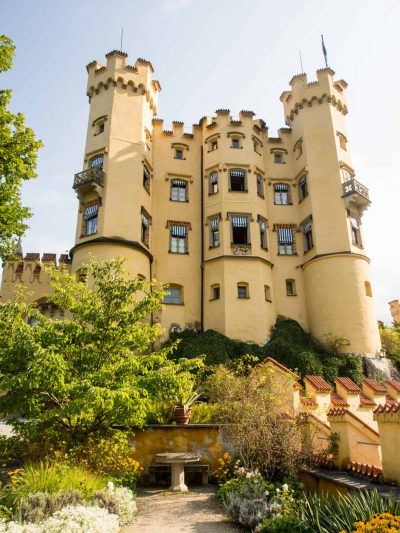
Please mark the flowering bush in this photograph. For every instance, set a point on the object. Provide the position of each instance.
(225, 469)
(118, 500)
(71, 519)
(379, 523)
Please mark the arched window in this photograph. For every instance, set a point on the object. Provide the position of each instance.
(282, 194)
(96, 162)
(368, 289)
(173, 295)
(237, 180)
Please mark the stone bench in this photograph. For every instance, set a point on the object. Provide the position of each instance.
(155, 469)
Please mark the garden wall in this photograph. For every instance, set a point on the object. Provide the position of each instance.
(205, 439)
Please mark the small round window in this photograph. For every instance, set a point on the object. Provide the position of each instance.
(96, 162)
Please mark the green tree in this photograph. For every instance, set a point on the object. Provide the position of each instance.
(18, 159)
(77, 377)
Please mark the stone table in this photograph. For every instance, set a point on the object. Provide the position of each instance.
(177, 462)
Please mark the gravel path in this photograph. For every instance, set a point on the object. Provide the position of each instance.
(161, 511)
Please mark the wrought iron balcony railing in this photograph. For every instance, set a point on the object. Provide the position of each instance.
(89, 176)
(355, 192)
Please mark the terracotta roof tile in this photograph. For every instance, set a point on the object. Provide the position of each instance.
(394, 384)
(64, 258)
(337, 411)
(338, 400)
(49, 257)
(318, 383)
(388, 408)
(365, 401)
(375, 386)
(390, 400)
(308, 402)
(32, 257)
(349, 385)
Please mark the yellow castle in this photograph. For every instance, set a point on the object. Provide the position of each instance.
(241, 226)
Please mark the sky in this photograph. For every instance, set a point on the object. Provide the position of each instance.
(209, 54)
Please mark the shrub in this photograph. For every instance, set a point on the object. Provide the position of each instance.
(282, 524)
(117, 500)
(112, 456)
(41, 505)
(330, 515)
(81, 519)
(379, 523)
(52, 479)
(203, 413)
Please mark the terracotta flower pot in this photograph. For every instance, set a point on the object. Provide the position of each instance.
(182, 415)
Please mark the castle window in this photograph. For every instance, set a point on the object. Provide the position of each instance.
(342, 141)
(96, 162)
(278, 158)
(368, 290)
(36, 272)
(355, 231)
(146, 178)
(346, 175)
(303, 188)
(286, 241)
(267, 293)
(178, 239)
(179, 190)
(298, 148)
(260, 185)
(145, 227)
(240, 229)
(308, 236)
(263, 232)
(19, 270)
(178, 153)
(215, 292)
(282, 194)
(214, 232)
(212, 144)
(290, 287)
(173, 295)
(257, 146)
(213, 182)
(235, 142)
(237, 180)
(242, 291)
(90, 219)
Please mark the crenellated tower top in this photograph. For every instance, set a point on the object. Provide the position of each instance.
(117, 73)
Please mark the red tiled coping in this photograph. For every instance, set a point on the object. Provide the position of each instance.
(32, 257)
(364, 469)
(375, 386)
(394, 384)
(64, 258)
(349, 385)
(282, 367)
(388, 408)
(49, 257)
(389, 400)
(364, 400)
(308, 402)
(318, 383)
(338, 400)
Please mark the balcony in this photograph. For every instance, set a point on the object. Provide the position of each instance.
(356, 193)
(91, 179)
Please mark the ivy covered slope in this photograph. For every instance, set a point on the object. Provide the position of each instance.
(289, 344)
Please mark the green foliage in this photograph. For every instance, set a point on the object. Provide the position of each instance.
(38, 506)
(203, 413)
(240, 485)
(51, 478)
(296, 349)
(390, 337)
(18, 160)
(216, 348)
(74, 378)
(282, 524)
(329, 515)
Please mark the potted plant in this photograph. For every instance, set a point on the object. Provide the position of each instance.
(183, 410)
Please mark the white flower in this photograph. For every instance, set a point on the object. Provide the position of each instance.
(278, 491)
(285, 486)
(266, 493)
(127, 508)
(110, 486)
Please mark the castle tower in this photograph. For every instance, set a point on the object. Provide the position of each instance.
(336, 272)
(115, 187)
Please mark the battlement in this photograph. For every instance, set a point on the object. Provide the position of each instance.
(306, 94)
(117, 73)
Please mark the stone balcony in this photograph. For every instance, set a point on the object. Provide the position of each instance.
(91, 179)
(356, 193)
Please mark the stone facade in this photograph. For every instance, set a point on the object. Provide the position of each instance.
(243, 227)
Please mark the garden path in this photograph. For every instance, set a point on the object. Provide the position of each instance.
(162, 511)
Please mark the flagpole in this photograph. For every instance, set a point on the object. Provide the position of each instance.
(301, 62)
